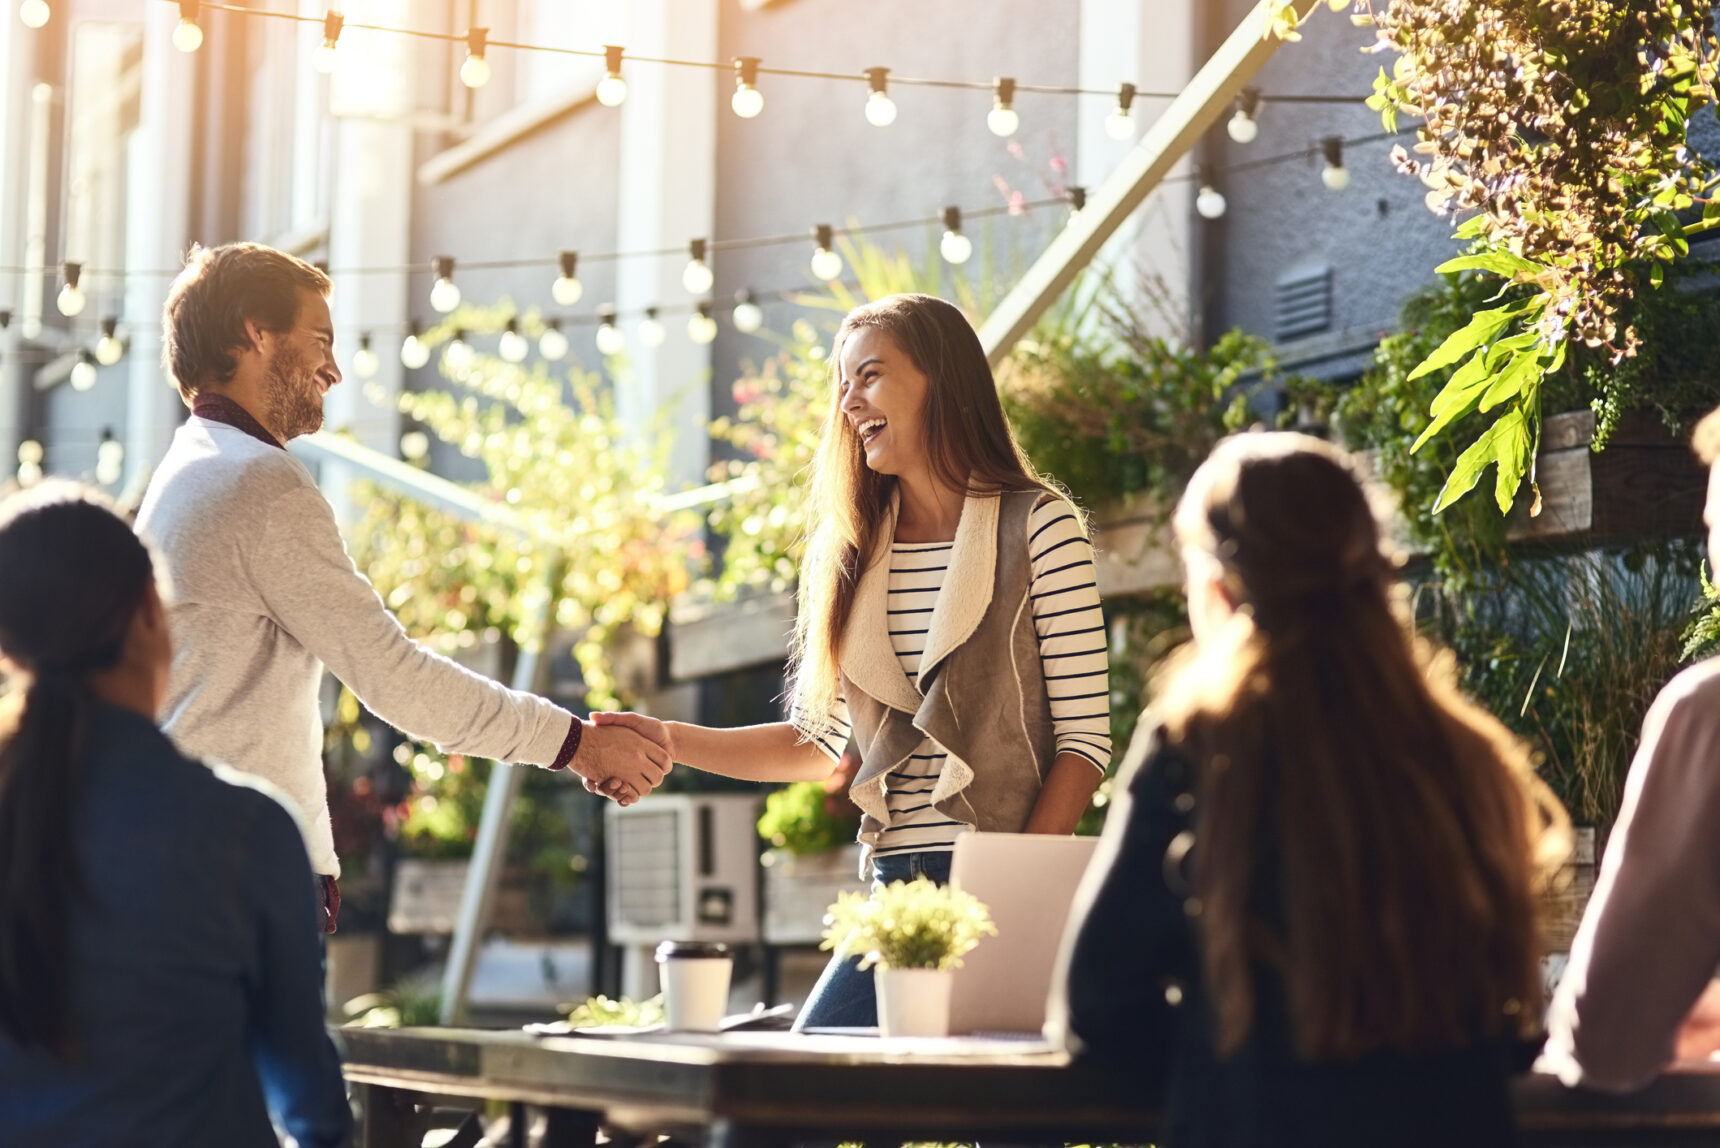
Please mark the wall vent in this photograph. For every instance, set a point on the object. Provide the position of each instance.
(1302, 302)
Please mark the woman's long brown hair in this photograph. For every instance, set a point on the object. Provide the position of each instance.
(967, 440)
(1364, 832)
(72, 578)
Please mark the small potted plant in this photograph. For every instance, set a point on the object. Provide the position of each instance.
(812, 857)
(915, 933)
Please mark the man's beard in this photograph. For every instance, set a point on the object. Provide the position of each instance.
(295, 403)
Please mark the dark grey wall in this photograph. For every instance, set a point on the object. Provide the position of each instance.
(1379, 239)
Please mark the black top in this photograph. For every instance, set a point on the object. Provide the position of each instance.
(1134, 995)
(196, 971)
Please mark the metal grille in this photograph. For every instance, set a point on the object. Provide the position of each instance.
(1302, 302)
(648, 868)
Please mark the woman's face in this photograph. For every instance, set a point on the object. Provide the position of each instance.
(883, 397)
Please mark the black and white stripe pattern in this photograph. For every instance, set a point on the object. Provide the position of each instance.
(1072, 649)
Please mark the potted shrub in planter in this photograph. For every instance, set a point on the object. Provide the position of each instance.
(915, 933)
(812, 859)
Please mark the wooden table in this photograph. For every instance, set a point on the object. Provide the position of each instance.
(745, 1089)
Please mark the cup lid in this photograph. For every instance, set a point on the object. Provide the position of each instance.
(685, 950)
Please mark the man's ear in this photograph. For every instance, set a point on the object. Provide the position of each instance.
(255, 335)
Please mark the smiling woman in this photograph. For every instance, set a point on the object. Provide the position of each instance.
(949, 622)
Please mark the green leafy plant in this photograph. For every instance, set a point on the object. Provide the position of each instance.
(916, 924)
(599, 1012)
(806, 817)
(413, 1002)
(1563, 126)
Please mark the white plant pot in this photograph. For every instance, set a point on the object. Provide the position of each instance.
(914, 1002)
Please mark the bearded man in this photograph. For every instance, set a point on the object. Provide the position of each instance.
(265, 594)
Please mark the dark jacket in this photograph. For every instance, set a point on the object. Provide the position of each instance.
(1131, 993)
(197, 974)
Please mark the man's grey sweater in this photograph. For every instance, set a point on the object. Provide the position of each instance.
(264, 597)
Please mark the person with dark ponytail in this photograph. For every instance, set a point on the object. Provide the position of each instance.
(1312, 917)
(160, 973)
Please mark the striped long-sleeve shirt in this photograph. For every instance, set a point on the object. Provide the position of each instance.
(1072, 650)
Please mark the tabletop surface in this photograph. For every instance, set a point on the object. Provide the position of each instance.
(785, 1078)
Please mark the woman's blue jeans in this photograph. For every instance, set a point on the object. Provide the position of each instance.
(845, 996)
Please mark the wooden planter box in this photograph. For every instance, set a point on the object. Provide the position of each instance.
(427, 895)
(1645, 484)
(798, 890)
(1565, 903)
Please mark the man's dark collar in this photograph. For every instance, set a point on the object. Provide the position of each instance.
(218, 408)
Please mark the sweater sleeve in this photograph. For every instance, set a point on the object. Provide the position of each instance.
(1127, 950)
(1071, 628)
(315, 593)
(296, 1061)
(1650, 937)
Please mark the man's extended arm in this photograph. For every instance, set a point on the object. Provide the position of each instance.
(1650, 938)
(318, 596)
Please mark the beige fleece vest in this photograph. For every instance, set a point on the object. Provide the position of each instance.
(981, 692)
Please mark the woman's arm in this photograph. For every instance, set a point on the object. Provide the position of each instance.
(773, 752)
(1065, 796)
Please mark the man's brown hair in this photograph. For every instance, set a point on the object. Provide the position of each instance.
(1705, 439)
(221, 288)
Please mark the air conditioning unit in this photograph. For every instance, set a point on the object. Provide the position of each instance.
(683, 867)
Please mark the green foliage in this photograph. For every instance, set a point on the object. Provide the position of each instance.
(581, 484)
(600, 1012)
(1569, 652)
(411, 1003)
(916, 924)
(1563, 126)
(1702, 637)
(805, 817)
(1113, 411)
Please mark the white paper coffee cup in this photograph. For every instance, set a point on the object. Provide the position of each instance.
(695, 979)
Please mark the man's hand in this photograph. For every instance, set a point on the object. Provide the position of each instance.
(619, 761)
(1699, 1035)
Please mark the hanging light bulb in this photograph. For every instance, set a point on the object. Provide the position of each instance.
(365, 362)
(697, 277)
(1120, 124)
(512, 345)
(701, 328)
(611, 89)
(1334, 175)
(1243, 127)
(109, 350)
(747, 101)
(110, 459)
(475, 69)
(84, 372)
(826, 263)
(187, 36)
(552, 344)
(1209, 201)
(70, 301)
(748, 315)
(1002, 119)
(610, 340)
(414, 352)
(566, 289)
(324, 59)
(954, 247)
(444, 293)
(414, 446)
(651, 329)
(29, 462)
(880, 108)
(1077, 201)
(34, 13)
(458, 355)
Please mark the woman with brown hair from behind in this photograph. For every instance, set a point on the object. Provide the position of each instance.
(1312, 919)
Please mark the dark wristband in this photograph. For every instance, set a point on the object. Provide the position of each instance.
(570, 745)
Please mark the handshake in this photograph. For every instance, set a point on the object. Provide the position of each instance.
(624, 756)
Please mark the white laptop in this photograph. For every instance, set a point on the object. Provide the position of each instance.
(1028, 882)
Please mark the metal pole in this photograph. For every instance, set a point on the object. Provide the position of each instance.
(1207, 96)
(531, 673)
